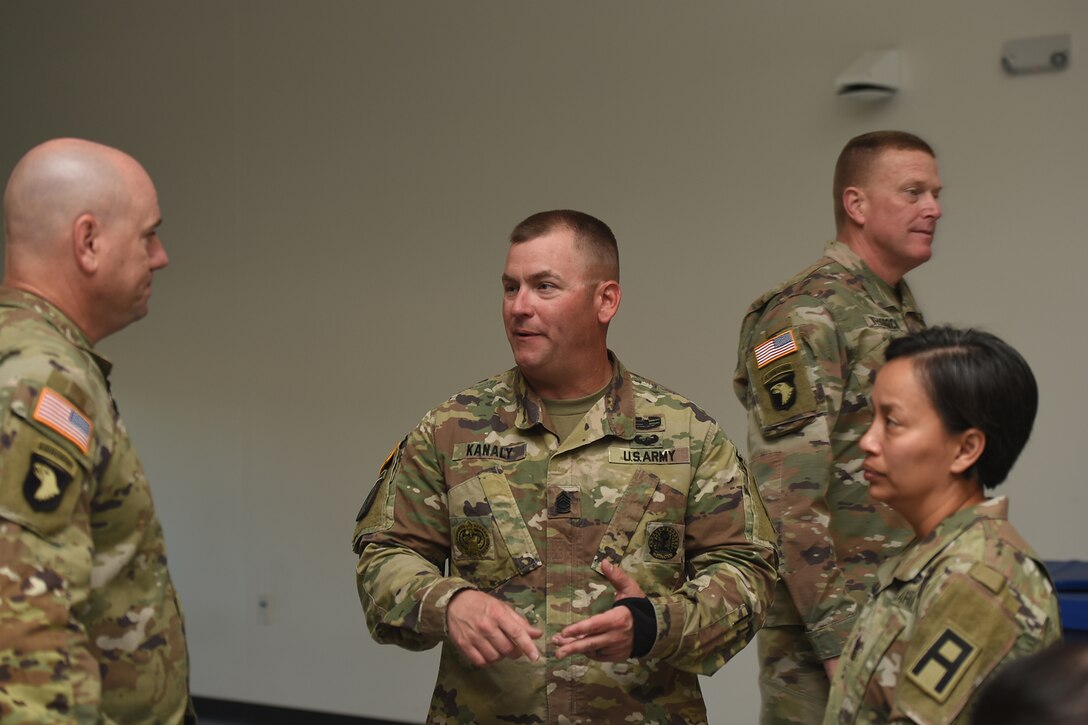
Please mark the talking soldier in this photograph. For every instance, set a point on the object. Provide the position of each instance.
(809, 349)
(90, 626)
(581, 541)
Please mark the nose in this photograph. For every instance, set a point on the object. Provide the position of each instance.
(158, 256)
(933, 207)
(518, 303)
(868, 441)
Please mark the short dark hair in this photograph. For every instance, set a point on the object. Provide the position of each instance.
(858, 155)
(976, 380)
(1047, 688)
(592, 235)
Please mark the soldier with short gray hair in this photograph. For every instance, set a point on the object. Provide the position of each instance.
(581, 541)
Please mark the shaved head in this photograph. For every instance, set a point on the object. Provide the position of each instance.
(80, 223)
(55, 183)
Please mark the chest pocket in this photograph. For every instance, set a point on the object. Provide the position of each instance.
(646, 533)
(490, 543)
(876, 658)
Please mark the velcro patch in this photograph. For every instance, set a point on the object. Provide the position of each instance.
(958, 641)
(648, 423)
(40, 485)
(784, 392)
(636, 456)
(564, 502)
(664, 542)
(778, 346)
(883, 323)
(515, 452)
(471, 541)
(373, 518)
(943, 663)
(55, 411)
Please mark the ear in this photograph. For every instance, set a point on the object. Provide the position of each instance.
(972, 444)
(854, 203)
(608, 300)
(86, 244)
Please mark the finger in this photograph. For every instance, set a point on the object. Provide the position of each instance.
(480, 654)
(597, 624)
(620, 580)
(604, 648)
(522, 636)
(500, 641)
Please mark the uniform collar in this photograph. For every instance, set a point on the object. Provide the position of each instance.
(921, 552)
(618, 403)
(10, 297)
(898, 297)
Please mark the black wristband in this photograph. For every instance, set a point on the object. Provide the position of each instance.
(644, 627)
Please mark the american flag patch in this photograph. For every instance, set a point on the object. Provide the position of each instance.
(779, 345)
(54, 410)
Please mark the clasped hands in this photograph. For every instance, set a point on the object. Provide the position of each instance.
(487, 630)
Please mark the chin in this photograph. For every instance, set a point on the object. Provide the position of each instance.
(878, 492)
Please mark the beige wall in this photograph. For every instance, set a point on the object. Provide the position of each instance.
(337, 179)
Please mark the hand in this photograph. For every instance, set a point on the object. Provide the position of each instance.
(606, 637)
(829, 667)
(487, 630)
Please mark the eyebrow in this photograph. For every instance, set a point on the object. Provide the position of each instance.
(535, 277)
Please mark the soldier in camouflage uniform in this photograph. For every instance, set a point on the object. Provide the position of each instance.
(952, 411)
(90, 626)
(604, 543)
(808, 352)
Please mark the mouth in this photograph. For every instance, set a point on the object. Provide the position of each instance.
(871, 474)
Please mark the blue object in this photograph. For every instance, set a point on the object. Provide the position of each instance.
(1071, 582)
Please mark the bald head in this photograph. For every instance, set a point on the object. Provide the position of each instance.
(80, 223)
(55, 183)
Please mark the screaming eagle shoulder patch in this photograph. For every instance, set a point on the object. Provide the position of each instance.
(783, 393)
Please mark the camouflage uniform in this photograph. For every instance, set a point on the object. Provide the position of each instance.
(819, 339)
(90, 628)
(648, 481)
(949, 611)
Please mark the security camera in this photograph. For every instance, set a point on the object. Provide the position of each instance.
(1036, 55)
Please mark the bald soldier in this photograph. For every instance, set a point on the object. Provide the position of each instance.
(808, 353)
(90, 626)
(581, 541)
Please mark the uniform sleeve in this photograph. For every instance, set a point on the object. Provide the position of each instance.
(402, 537)
(47, 672)
(792, 402)
(731, 561)
(970, 622)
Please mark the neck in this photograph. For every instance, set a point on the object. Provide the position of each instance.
(864, 249)
(589, 380)
(56, 298)
(965, 494)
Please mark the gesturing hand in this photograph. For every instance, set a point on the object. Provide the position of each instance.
(487, 630)
(609, 636)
